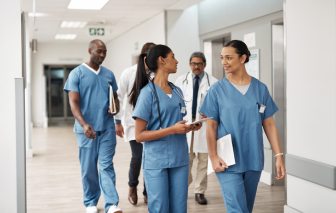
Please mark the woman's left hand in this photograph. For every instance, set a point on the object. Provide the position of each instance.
(196, 127)
(280, 167)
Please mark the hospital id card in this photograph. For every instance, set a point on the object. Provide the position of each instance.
(224, 151)
(262, 108)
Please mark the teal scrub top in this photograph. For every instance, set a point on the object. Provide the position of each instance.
(172, 150)
(239, 115)
(93, 91)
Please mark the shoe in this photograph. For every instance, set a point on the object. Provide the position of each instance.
(133, 195)
(91, 209)
(114, 209)
(145, 199)
(201, 199)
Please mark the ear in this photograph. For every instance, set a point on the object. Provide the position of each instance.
(89, 51)
(161, 60)
(204, 65)
(243, 59)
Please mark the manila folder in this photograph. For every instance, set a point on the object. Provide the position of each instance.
(111, 100)
(224, 151)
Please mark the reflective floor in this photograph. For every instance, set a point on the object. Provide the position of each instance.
(54, 185)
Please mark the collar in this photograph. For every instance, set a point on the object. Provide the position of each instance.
(200, 75)
(94, 71)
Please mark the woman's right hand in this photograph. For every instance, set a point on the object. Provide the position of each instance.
(218, 165)
(181, 128)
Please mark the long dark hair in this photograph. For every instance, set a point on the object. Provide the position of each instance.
(241, 48)
(141, 77)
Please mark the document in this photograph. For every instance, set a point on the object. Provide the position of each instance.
(224, 151)
(202, 120)
(112, 101)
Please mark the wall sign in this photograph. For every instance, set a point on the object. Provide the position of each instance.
(96, 31)
(250, 39)
(252, 67)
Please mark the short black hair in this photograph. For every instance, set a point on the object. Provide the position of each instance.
(199, 55)
(241, 48)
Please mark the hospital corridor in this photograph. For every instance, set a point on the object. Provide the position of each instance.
(168, 106)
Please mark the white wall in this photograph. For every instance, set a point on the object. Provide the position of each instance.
(121, 49)
(11, 67)
(311, 97)
(182, 37)
(51, 54)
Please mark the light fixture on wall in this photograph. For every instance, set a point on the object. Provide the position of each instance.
(87, 4)
(73, 24)
(34, 45)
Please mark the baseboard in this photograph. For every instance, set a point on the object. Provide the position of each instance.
(288, 209)
(29, 153)
(266, 178)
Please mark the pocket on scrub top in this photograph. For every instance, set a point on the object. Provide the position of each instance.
(156, 154)
(258, 114)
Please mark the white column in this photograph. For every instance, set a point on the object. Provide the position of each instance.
(10, 55)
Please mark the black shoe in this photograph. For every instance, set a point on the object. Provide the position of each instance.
(201, 199)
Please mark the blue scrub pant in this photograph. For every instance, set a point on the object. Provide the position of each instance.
(100, 150)
(167, 189)
(239, 190)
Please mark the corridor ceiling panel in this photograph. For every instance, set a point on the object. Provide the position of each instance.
(116, 17)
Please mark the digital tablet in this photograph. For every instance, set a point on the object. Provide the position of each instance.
(201, 121)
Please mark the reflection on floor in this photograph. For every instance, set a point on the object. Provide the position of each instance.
(54, 185)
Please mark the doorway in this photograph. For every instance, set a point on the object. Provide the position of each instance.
(58, 107)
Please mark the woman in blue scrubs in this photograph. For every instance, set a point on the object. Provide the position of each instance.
(240, 105)
(159, 109)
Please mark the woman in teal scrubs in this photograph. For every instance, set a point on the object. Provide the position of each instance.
(159, 109)
(240, 105)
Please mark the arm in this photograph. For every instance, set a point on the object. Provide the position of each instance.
(273, 137)
(218, 164)
(122, 90)
(142, 135)
(76, 111)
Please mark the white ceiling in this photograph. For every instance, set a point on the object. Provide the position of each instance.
(121, 16)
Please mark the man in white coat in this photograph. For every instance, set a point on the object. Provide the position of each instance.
(124, 88)
(195, 84)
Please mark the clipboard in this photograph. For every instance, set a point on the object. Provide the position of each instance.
(111, 100)
(224, 151)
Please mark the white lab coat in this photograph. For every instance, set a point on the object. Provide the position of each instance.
(125, 85)
(185, 82)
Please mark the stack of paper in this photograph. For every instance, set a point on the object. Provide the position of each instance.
(224, 151)
(112, 101)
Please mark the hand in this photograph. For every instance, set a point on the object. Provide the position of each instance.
(113, 114)
(181, 128)
(218, 164)
(119, 130)
(89, 131)
(280, 167)
(196, 127)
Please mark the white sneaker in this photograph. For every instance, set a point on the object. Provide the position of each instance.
(91, 209)
(114, 209)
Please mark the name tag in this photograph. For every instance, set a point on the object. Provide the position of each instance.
(183, 109)
(262, 108)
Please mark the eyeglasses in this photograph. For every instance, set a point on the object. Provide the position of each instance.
(198, 64)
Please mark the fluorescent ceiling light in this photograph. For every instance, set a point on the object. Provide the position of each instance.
(73, 24)
(37, 14)
(65, 36)
(87, 4)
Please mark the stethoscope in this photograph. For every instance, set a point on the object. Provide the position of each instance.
(173, 87)
(186, 79)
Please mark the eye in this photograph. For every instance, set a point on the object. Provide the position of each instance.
(229, 58)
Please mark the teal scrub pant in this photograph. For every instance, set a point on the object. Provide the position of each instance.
(167, 189)
(239, 190)
(99, 150)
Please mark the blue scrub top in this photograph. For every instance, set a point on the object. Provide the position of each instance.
(94, 96)
(239, 115)
(172, 150)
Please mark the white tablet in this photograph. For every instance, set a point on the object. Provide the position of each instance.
(201, 121)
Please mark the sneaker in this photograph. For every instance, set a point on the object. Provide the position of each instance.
(91, 209)
(114, 209)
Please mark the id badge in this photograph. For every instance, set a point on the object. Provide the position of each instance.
(183, 109)
(262, 108)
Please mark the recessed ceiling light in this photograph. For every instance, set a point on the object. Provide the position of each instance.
(87, 4)
(73, 24)
(65, 36)
(37, 14)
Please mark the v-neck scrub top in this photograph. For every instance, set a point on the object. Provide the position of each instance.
(94, 96)
(170, 151)
(239, 115)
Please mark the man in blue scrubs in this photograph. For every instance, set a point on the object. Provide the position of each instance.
(88, 88)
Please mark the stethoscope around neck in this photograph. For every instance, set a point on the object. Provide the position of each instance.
(186, 79)
(173, 87)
